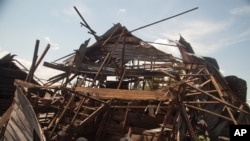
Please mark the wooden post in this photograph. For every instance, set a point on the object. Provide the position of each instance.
(121, 79)
(42, 56)
(125, 119)
(31, 71)
(166, 117)
(184, 114)
(100, 68)
(187, 121)
(122, 57)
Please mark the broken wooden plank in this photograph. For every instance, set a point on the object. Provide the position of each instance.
(106, 93)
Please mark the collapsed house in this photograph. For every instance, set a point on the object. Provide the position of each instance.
(124, 87)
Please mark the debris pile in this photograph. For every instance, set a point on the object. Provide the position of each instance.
(123, 87)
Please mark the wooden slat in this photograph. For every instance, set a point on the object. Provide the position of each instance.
(5, 117)
(32, 85)
(106, 93)
(23, 122)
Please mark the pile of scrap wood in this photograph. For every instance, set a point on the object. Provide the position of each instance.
(123, 87)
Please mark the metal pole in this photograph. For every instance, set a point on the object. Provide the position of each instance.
(163, 19)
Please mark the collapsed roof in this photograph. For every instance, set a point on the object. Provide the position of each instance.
(152, 95)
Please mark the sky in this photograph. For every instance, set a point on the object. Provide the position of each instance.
(218, 29)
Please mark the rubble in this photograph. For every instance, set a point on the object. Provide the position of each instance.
(123, 87)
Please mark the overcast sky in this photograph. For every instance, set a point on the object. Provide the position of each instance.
(219, 29)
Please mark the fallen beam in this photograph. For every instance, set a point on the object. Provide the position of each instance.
(106, 93)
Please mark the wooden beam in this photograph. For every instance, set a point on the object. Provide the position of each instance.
(201, 102)
(94, 114)
(138, 107)
(188, 122)
(41, 58)
(198, 93)
(218, 99)
(216, 85)
(207, 111)
(106, 93)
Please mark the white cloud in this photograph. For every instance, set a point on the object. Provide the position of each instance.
(53, 45)
(243, 10)
(122, 10)
(47, 39)
(197, 28)
(244, 35)
(203, 35)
